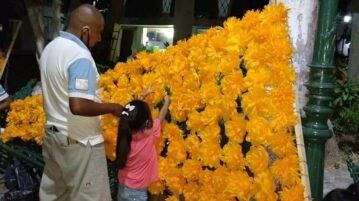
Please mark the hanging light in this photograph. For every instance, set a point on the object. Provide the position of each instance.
(347, 18)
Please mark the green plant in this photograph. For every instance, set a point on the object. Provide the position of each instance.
(348, 119)
(346, 92)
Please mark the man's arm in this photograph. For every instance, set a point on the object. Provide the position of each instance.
(82, 84)
(85, 107)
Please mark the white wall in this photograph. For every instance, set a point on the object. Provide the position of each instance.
(302, 20)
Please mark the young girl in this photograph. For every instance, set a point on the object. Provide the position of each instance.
(136, 152)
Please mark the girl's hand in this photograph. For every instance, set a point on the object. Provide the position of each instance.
(149, 90)
(164, 108)
(167, 98)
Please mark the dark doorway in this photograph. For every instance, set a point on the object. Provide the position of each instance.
(126, 43)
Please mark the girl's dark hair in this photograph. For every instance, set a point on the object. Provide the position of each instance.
(135, 116)
(349, 194)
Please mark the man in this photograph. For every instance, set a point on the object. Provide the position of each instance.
(73, 148)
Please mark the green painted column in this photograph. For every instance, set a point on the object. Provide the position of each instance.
(320, 86)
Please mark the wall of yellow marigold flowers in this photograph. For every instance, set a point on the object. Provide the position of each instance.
(230, 132)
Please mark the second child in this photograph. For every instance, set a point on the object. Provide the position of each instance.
(136, 151)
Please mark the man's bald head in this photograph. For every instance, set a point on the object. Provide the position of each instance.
(85, 15)
(86, 19)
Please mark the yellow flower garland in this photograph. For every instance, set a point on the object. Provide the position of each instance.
(26, 120)
(215, 108)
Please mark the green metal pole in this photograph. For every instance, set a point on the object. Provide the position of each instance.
(320, 86)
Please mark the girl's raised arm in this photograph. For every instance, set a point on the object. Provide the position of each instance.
(164, 108)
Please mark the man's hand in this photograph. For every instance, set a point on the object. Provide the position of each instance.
(85, 107)
(117, 109)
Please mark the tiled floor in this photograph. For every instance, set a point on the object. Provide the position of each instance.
(336, 174)
(336, 178)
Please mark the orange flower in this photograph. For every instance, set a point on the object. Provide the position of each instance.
(191, 169)
(287, 170)
(257, 159)
(236, 128)
(265, 187)
(295, 193)
(232, 156)
(26, 120)
(156, 188)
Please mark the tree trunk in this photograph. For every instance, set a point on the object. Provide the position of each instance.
(34, 10)
(56, 18)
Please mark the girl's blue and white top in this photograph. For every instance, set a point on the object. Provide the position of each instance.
(3, 94)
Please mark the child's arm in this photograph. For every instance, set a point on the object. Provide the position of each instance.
(149, 90)
(164, 108)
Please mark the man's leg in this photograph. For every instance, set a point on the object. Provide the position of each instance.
(52, 187)
(88, 176)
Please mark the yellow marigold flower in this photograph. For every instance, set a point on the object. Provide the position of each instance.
(207, 72)
(163, 163)
(207, 184)
(172, 198)
(275, 15)
(156, 188)
(217, 179)
(265, 187)
(160, 144)
(182, 103)
(282, 144)
(26, 120)
(287, 170)
(256, 102)
(175, 180)
(209, 92)
(176, 150)
(171, 131)
(192, 146)
(236, 128)
(225, 106)
(210, 153)
(210, 133)
(191, 80)
(295, 193)
(251, 19)
(239, 185)
(196, 56)
(191, 169)
(109, 127)
(194, 121)
(280, 74)
(210, 115)
(257, 159)
(232, 84)
(232, 156)
(191, 191)
(259, 131)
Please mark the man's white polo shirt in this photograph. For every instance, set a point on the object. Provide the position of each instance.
(68, 70)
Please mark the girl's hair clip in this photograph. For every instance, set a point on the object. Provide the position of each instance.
(130, 107)
(125, 113)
